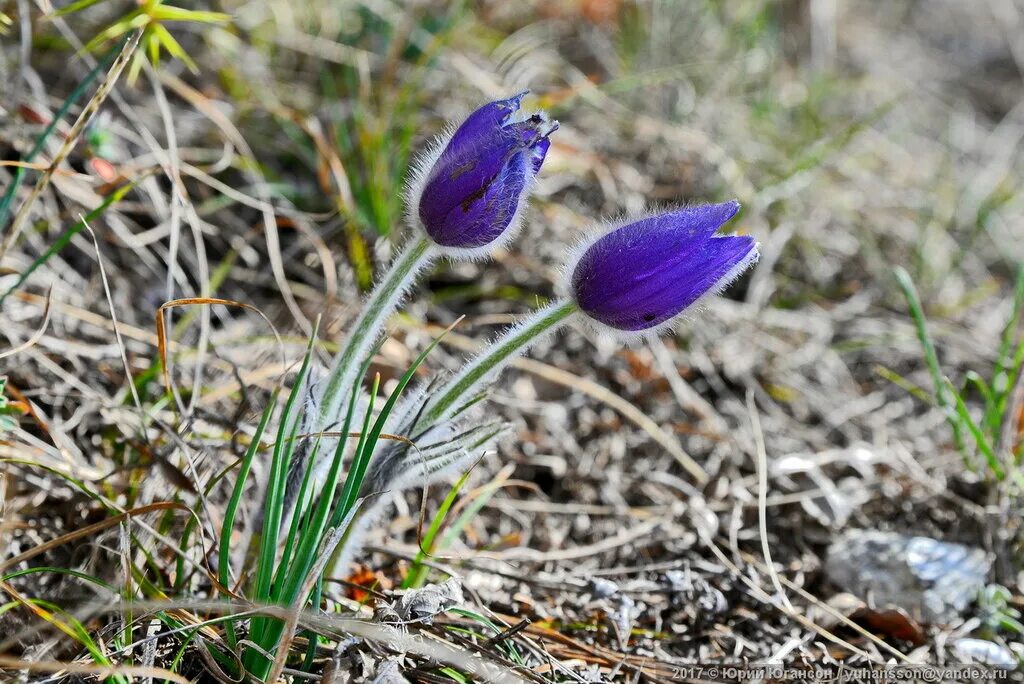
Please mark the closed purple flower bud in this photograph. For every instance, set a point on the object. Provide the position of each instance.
(470, 195)
(644, 273)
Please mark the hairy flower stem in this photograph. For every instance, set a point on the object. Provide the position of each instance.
(384, 299)
(488, 364)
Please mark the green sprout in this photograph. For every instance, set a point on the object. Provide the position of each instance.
(997, 612)
(9, 411)
(149, 16)
(1002, 458)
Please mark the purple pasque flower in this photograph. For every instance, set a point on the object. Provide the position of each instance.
(471, 194)
(644, 273)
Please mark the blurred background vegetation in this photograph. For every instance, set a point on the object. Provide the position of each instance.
(256, 152)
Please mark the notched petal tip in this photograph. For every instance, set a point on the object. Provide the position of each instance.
(720, 213)
(731, 207)
(505, 109)
(733, 253)
(516, 101)
(484, 122)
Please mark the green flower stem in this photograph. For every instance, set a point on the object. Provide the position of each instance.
(413, 258)
(484, 367)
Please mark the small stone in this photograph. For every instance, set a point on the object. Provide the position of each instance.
(690, 589)
(389, 672)
(981, 652)
(603, 588)
(934, 581)
(421, 605)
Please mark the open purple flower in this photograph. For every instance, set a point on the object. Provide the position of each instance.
(644, 273)
(472, 192)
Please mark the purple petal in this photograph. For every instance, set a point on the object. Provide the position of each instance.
(537, 154)
(465, 173)
(481, 174)
(485, 120)
(646, 272)
(482, 219)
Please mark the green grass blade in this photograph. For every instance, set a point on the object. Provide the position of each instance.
(1008, 362)
(930, 356)
(339, 514)
(270, 637)
(978, 382)
(455, 529)
(65, 238)
(224, 556)
(72, 627)
(299, 524)
(269, 632)
(493, 626)
(979, 437)
(273, 508)
(455, 675)
(1010, 331)
(294, 575)
(353, 481)
(59, 571)
(418, 573)
(171, 13)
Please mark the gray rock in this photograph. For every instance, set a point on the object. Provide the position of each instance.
(934, 581)
(690, 589)
(389, 672)
(981, 652)
(421, 605)
(603, 588)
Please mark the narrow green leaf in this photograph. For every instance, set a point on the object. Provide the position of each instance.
(455, 529)
(978, 382)
(59, 571)
(931, 358)
(171, 13)
(76, 6)
(494, 627)
(126, 24)
(455, 675)
(979, 437)
(418, 572)
(1007, 367)
(299, 527)
(224, 556)
(152, 47)
(64, 239)
(273, 507)
(173, 47)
